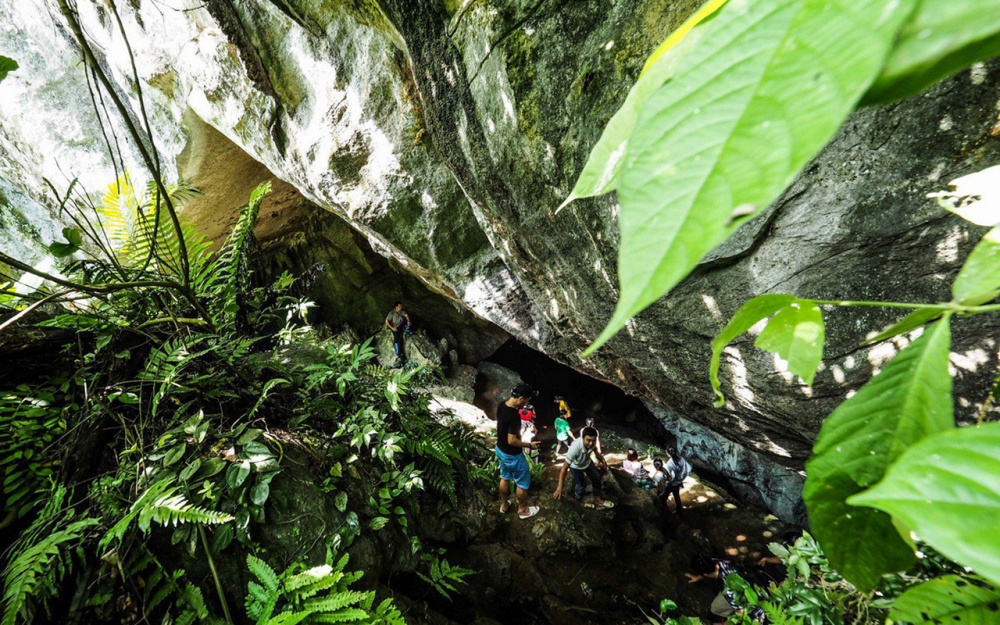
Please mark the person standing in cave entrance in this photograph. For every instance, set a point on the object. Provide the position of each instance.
(398, 321)
(579, 463)
(510, 451)
(675, 472)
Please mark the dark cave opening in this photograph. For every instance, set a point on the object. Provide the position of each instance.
(587, 396)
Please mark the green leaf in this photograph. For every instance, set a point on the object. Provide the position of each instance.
(951, 599)
(62, 250)
(237, 474)
(600, 173)
(907, 401)
(7, 65)
(378, 523)
(947, 489)
(941, 38)
(73, 236)
(796, 335)
(259, 493)
(908, 323)
(730, 130)
(760, 307)
(175, 454)
(341, 501)
(979, 279)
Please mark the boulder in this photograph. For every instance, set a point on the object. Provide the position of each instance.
(495, 386)
(447, 133)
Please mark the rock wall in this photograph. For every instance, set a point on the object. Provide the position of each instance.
(446, 133)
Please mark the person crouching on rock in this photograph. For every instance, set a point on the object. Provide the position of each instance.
(578, 461)
(510, 451)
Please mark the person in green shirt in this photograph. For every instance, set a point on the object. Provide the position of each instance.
(564, 433)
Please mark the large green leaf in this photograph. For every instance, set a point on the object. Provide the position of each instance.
(942, 37)
(979, 279)
(600, 173)
(907, 401)
(796, 335)
(766, 87)
(760, 307)
(947, 489)
(7, 65)
(949, 599)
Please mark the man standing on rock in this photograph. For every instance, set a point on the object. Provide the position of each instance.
(676, 472)
(578, 461)
(509, 451)
(398, 321)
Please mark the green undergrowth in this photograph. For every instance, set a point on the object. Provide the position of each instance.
(190, 413)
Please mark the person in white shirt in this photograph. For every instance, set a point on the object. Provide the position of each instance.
(674, 473)
(578, 463)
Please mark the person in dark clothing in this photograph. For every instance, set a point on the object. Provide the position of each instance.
(725, 603)
(398, 321)
(510, 451)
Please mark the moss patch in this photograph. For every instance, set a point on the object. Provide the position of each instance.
(521, 54)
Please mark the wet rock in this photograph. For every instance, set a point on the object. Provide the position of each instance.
(446, 137)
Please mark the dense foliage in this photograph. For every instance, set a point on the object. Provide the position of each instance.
(187, 419)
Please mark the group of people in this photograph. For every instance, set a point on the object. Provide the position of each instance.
(583, 457)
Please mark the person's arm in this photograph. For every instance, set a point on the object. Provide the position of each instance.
(562, 478)
(514, 440)
(598, 445)
(389, 325)
(407, 315)
(600, 456)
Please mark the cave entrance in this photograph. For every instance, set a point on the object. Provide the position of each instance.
(587, 397)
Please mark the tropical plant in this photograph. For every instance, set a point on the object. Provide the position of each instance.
(42, 557)
(684, 153)
(320, 594)
(889, 463)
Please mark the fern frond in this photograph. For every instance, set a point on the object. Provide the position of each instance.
(36, 568)
(347, 615)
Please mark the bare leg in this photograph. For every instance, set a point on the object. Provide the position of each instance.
(522, 501)
(504, 496)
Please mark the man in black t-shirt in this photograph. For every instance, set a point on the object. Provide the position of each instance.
(513, 465)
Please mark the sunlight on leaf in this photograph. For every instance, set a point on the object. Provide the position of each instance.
(696, 152)
(975, 197)
(907, 401)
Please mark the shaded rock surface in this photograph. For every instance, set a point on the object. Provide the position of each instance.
(446, 133)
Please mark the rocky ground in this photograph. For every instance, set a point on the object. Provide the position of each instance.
(570, 564)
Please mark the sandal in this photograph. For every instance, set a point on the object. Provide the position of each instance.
(532, 511)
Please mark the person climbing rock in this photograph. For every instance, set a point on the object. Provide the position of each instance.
(510, 451)
(675, 472)
(725, 604)
(398, 321)
(563, 431)
(578, 461)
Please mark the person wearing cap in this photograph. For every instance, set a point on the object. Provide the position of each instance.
(510, 451)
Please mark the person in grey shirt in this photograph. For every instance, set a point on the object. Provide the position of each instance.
(578, 461)
(398, 321)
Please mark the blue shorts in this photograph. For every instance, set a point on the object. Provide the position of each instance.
(514, 468)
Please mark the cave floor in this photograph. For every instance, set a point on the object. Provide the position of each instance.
(571, 564)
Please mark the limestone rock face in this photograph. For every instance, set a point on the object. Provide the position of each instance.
(446, 133)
